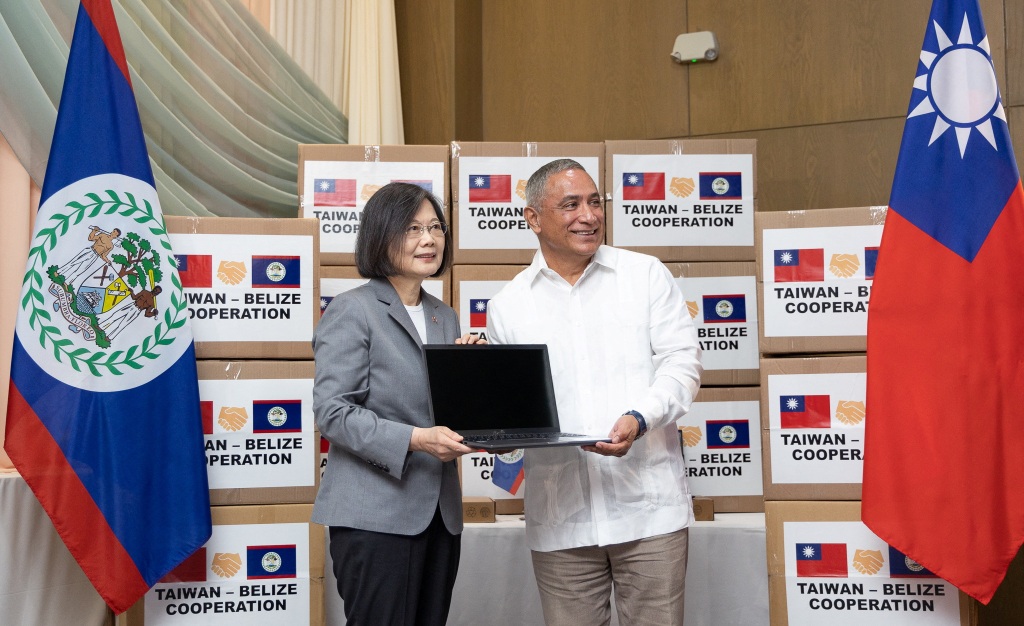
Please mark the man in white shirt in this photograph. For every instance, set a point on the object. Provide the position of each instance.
(626, 365)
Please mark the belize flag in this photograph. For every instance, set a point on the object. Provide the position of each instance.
(276, 271)
(952, 372)
(103, 418)
(728, 434)
(725, 308)
(270, 562)
(508, 472)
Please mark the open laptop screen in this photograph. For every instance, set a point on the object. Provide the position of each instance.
(487, 387)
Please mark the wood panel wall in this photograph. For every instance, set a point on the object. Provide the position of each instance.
(823, 85)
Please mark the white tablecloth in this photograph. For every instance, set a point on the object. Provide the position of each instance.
(726, 576)
(40, 582)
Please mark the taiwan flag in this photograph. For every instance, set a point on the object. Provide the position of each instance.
(277, 416)
(195, 270)
(945, 335)
(728, 434)
(805, 411)
(643, 185)
(339, 192)
(821, 560)
(870, 261)
(103, 416)
(727, 308)
(803, 265)
(490, 188)
(478, 313)
(206, 411)
(276, 271)
(270, 562)
(721, 186)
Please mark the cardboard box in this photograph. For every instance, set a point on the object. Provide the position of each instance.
(812, 412)
(488, 211)
(682, 200)
(473, 286)
(722, 449)
(814, 270)
(252, 285)
(499, 477)
(477, 509)
(259, 432)
(704, 509)
(356, 172)
(852, 576)
(272, 556)
(722, 300)
(336, 279)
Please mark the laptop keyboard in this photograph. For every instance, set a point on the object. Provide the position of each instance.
(518, 436)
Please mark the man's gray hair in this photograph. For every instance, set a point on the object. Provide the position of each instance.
(536, 186)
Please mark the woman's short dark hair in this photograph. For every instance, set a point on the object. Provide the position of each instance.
(381, 236)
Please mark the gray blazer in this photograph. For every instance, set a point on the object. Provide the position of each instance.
(370, 391)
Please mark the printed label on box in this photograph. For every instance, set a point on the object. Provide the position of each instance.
(816, 427)
(496, 476)
(473, 298)
(258, 433)
(817, 281)
(683, 200)
(335, 192)
(247, 287)
(331, 287)
(492, 195)
(722, 448)
(724, 311)
(251, 573)
(841, 573)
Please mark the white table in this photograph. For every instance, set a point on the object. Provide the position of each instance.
(726, 576)
(40, 582)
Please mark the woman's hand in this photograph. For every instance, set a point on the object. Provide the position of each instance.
(439, 441)
(471, 338)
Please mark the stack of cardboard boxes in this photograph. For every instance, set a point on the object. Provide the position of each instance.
(252, 290)
(691, 204)
(825, 566)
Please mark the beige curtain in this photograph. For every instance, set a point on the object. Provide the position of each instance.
(350, 49)
(19, 200)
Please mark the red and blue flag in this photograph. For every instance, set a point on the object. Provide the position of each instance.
(277, 416)
(725, 308)
(508, 471)
(490, 188)
(478, 312)
(800, 265)
(945, 384)
(728, 434)
(340, 192)
(103, 413)
(643, 185)
(821, 560)
(805, 411)
(270, 562)
(721, 186)
(276, 271)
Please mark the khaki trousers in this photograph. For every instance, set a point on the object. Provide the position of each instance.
(648, 577)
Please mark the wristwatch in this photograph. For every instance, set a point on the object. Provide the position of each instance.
(640, 421)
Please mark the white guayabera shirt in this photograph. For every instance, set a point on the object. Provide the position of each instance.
(619, 339)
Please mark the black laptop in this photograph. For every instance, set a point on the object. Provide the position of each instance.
(497, 397)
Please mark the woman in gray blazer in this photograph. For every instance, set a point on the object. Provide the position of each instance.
(390, 493)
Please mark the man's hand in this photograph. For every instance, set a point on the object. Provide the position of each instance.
(844, 265)
(231, 272)
(850, 412)
(867, 562)
(471, 338)
(623, 434)
(439, 441)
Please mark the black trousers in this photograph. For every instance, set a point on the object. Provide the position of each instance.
(396, 580)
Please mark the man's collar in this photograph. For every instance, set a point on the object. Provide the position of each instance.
(602, 257)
